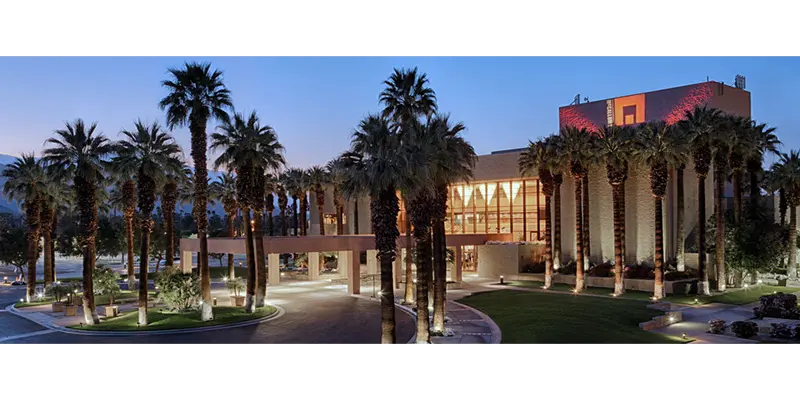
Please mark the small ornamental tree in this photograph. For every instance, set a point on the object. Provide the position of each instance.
(106, 282)
(235, 286)
(58, 292)
(179, 292)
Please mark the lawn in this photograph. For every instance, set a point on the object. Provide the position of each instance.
(737, 297)
(563, 287)
(99, 300)
(533, 317)
(168, 320)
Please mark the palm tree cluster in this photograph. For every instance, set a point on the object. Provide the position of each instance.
(707, 137)
(412, 151)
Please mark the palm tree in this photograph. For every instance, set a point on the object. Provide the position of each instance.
(169, 199)
(283, 201)
(536, 158)
(224, 189)
(335, 176)
(196, 93)
(153, 154)
(78, 154)
(765, 141)
(295, 184)
(722, 141)
(787, 175)
(615, 145)
(378, 164)
(658, 148)
(52, 198)
(270, 186)
(26, 184)
(699, 124)
(559, 160)
(250, 149)
(591, 158)
(127, 202)
(577, 145)
(186, 193)
(319, 179)
(452, 160)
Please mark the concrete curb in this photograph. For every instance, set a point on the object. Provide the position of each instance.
(279, 311)
(496, 334)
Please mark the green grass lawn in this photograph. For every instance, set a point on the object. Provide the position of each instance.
(169, 320)
(99, 300)
(563, 287)
(738, 297)
(533, 317)
(73, 279)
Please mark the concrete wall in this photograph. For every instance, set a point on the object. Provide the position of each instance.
(495, 260)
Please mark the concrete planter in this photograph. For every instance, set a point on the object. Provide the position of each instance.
(111, 311)
(70, 310)
(237, 301)
(58, 307)
(77, 300)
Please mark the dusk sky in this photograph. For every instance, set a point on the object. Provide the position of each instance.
(314, 103)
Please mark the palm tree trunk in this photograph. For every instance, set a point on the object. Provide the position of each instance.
(681, 234)
(87, 210)
(719, 253)
(548, 244)
(658, 285)
(269, 222)
(409, 293)
(249, 305)
(619, 270)
(129, 244)
(261, 263)
(339, 221)
(702, 272)
(578, 237)
(144, 256)
(586, 238)
(792, 268)
(231, 233)
(419, 208)
(622, 220)
(54, 233)
(32, 211)
(303, 209)
(169, 198)
(782, 204)
(737, 196)
(384, 223)
(557, 228)
(296, 217)
(284, 230)
(321, 213)
(197, 127)
(355, 216)
(440, 277)
(45, 230)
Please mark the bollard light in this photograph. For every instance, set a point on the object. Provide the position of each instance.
(501, 279)
(683, 336)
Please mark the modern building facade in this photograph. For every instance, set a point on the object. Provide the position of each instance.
(500, 205)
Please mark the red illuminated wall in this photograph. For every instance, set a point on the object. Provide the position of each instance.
(668, 104)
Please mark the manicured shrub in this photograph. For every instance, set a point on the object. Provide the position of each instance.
(680, 275)
(779, 305)
(716, 326)
(744, 329)
(603, 270)
(179, 292)
(533, 268)
(568, 269)
(640, 271)
(783, 331)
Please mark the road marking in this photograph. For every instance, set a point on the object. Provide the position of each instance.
(25, 335)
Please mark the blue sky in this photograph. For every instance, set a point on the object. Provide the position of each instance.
(314, 103)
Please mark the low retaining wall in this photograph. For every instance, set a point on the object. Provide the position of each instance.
(671, 317)
(642, 285)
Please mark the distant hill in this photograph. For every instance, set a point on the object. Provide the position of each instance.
(7, 159)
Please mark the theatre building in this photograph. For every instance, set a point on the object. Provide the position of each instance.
(495, 223)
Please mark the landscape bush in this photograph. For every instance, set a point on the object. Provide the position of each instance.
(179, 292)
(640, 271)
(533, 268)
(604, 270)
(716, 326)
(680, 275)
(783, 331)
(744, 329)
(779, 305)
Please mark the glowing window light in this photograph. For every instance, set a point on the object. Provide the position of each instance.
(490, 192)
(465, 192)
(511, 189)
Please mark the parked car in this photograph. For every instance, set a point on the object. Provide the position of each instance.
(175, 261)
(18, 283)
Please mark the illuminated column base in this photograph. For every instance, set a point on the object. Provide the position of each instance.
(313, 266)
(274, 269)
(353, 272)
(186, 262)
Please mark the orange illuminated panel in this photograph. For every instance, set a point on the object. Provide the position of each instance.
(629, 110)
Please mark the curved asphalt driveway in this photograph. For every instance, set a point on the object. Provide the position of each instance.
(313, 315)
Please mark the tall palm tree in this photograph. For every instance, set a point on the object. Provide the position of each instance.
(53, 197)
(127, 199)
(699, 124)
(154, 155)
(722, 141)
(615, 145)
(169, 199)
(196, 94)
(335, 177)
(319, 178)
(270, 186)
(590, 160)
(283, 201)
(452, 159)
(251, 149)
(224, 189)
(78, 154)
(577, 145)
(378, 164)
(559, 157)
(295, 184)
(787, 175)
(658, 148)
(27, 183)
(536, 158)
(406, 98)
(765, 142)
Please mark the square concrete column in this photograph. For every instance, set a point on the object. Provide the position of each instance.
(372, 262)
(353, 273)
(343, 263)
(459, 265)
(313, 266)
(274, 268)
(186, 262)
